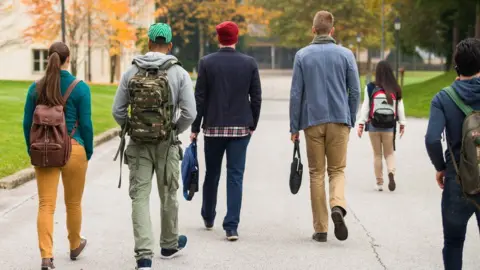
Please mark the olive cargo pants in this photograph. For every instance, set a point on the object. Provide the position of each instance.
(143, 160)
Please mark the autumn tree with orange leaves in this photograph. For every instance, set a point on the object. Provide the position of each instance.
(105, 21)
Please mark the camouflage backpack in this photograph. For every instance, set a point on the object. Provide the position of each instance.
(151, 105)
(468, 170)
(151, 109)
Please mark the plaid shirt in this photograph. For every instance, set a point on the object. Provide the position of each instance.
(226, 131)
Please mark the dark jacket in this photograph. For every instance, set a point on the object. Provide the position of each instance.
(228, 91)
(445, 115)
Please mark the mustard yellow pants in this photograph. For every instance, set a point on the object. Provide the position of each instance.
(73, 177)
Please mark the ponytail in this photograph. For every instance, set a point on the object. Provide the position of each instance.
(49, 86)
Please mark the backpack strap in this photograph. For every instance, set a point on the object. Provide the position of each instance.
(170, 63)
(70, 90)
(65, 98)
(467, 110)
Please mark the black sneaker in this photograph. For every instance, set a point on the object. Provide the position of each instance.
(391, 184)
(232, 235)
(172, 253)
(208, 225)
(341, 231)
(47, 264)
(320, 237)
(144, 264)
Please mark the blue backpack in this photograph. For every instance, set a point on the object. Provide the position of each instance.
(190, 171)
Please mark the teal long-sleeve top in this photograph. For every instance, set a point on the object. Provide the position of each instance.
(79, 107)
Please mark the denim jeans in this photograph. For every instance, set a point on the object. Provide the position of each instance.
(236, 148)
(456, 211)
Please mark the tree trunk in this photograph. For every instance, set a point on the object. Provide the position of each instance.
(369, 65)
(113, 65)
(477, 20)
(89, 64)
(201, 43)
(74, 58)
(455, 39)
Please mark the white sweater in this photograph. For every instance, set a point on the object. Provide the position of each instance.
(365, 111)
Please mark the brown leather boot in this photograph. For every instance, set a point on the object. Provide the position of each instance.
(76, 252)
(47, 264)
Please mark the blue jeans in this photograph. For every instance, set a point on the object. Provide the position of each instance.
(236, 149)
(456, 211)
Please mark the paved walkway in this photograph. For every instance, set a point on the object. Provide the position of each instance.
(400, 230)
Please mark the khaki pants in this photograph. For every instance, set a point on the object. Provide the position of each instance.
(382, 144)
(143, 160)
(73, 177)
(326, 147)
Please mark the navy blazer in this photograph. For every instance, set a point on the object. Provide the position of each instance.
(228, 92)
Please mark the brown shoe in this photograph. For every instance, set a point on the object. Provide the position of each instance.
(391, 184)
(76, 252)
(47, 264)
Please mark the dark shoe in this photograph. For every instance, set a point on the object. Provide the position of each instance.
(232, 235)
(341, 231)
(208, 225)
(391, 184)
(47, 264)
(76, 252)
(144, 264)
(172, 253)
(320, 237)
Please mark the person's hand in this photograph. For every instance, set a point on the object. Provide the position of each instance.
(360, 130)
(193, 136)
(251, 132)
(440, 179)
(402, 130)
(295, 137)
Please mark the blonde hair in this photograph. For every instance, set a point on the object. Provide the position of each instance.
(323, 22)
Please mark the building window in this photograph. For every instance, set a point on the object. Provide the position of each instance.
(40, 60)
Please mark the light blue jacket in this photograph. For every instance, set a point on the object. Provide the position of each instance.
(325, 87)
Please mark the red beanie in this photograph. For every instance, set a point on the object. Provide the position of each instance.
(227, 33)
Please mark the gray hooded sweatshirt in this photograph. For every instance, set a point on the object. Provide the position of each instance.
(180, 84)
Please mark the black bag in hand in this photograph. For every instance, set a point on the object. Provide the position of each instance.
(296, 169)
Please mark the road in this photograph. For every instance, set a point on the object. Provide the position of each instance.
(400, 230)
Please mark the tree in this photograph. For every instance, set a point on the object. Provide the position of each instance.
(198, 18)
(105, 21)
(294, 23)
(46, 25)
(114, 29)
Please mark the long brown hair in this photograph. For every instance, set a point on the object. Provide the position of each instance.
(49, 85)
(385, 79)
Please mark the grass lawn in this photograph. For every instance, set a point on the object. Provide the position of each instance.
(418, 96)
(13, 155)
(411, 77)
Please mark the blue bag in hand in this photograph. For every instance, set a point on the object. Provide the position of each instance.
(190, 171)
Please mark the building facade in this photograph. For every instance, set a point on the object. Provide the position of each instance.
(22, 60)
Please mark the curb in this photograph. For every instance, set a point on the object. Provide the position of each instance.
(19, 178)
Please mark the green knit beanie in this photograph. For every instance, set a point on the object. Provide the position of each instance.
(160, 30)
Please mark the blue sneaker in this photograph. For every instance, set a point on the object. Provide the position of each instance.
(144, 264)
(172, 253)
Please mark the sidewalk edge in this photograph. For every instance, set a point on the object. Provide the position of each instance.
(21, 177)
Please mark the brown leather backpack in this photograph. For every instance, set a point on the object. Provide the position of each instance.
(50, 143)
